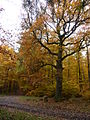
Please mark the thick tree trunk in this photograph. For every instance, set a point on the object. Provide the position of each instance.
(59, 83)
(59, 76)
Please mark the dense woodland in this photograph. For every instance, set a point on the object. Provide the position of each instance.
(54, 54)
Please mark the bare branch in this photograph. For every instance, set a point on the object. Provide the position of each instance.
(40, 42)
(77, 50)
(48, 64)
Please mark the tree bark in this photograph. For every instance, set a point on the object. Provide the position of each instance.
(79, 72)
(52, 72)
(68, 75)
(59, 75)
(88, 62)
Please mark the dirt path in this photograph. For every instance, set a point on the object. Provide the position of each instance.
(13, 102)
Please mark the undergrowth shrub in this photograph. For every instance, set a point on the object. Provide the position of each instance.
(70, 89)
(42, 91)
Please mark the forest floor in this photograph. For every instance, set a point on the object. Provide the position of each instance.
(72, 109)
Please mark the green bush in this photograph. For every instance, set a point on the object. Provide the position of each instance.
(42, 91)
(70, 89)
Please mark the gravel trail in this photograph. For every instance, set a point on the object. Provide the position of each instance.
(12, 102)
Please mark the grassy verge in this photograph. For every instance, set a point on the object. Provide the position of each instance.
(16, 115)
(29, 98)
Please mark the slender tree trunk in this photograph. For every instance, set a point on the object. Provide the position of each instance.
(79, 73)
(59, 75)
(88, 62)
(82, 71)
(52, 70)
(9, 87)
(48, 73)
(68, 71)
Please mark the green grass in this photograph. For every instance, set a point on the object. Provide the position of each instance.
(8, 115)
(29, 98)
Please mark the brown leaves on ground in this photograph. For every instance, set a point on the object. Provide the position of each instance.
(74, 104)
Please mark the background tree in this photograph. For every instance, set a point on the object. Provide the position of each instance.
(32, 57)
(8, 77)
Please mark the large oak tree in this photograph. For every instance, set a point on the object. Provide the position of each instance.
(54, 23)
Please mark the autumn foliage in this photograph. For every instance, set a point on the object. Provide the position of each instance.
(54, 54)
